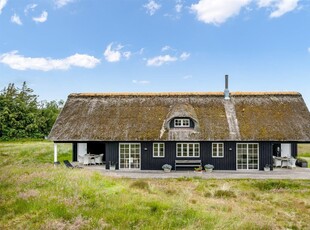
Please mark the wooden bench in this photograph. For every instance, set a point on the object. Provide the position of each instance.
(187, 163)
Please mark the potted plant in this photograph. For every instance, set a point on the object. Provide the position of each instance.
(267, 168)
(209, 168)
(112, 165)
(167, 167)
(198, 169)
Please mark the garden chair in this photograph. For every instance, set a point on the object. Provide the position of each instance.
(277, 162)
(99, 159)
(69, 165)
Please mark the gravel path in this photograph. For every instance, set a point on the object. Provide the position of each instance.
(298, 173)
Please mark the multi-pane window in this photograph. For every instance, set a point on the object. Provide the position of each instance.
(181, 122)
(188, 150)
(247, 156)
(217, 149)
(158, 149)
(129, 155)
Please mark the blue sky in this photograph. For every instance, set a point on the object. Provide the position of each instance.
(67, 46)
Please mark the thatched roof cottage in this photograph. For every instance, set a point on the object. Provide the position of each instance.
(231, 131)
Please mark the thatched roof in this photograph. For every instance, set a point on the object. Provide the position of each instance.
(280, 116)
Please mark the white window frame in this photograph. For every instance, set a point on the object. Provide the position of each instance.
(247, 153)
(130, 146)
(158, 146)
(184, 122)
(186, 153)
(217, 146)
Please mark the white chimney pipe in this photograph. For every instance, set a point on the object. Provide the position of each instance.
(226, 91)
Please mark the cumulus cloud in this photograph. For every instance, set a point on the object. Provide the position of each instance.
(115, 54)
(61, 3)
(217, 11)
(19, 62)
(280, 7)
(184, 56)
(152, 7)
(2, 4)
(16, 19)
(143, 82)
(29, 7)
(42, 18)
(160, 60)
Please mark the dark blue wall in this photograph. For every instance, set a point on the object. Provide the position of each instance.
(228, 162)
(111, 149)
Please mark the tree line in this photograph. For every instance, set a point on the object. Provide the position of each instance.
(23, 116)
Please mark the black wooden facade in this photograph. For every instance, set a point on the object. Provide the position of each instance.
(148, 162)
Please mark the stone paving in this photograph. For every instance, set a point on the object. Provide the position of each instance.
(283, 173)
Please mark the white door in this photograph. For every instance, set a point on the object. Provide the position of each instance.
(286, 150)
(81, 151)
(247, 156)
(129, 155)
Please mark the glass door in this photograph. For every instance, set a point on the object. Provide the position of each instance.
(129, 155)
(247, 156)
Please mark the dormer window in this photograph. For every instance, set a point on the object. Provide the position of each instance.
(181, 122)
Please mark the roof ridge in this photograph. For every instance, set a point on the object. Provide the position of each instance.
(150, 94)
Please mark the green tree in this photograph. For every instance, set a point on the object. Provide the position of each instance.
(22, 116)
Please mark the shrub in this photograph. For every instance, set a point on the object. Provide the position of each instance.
(268, 185)
(140, 184)
(224, 194)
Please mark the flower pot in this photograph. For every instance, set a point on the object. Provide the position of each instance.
(167, 170)
(209, 170)
(266, 169)
(112, 167)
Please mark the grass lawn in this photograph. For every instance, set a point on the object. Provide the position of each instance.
(36, 195)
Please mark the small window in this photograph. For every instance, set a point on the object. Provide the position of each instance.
(181, 122)
(188, 150)
(158, 149)
(217, 149)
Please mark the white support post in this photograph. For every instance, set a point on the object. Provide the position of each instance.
(55, 152)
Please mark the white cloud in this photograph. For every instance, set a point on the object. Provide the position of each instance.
(140, 52)
(160, 60)
(16, 19)
(184, 56)
(165, 48)
(280, 7)
(19, 62)
(152, 7)
(217, 11)
(309, 49)
(143, 82)
(2, 4)
(113, 55)
(127, 54)
(61, 3)
(29, 7)
(178, 7)
(41, 18)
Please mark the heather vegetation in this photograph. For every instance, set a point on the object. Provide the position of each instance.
(36, 195)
